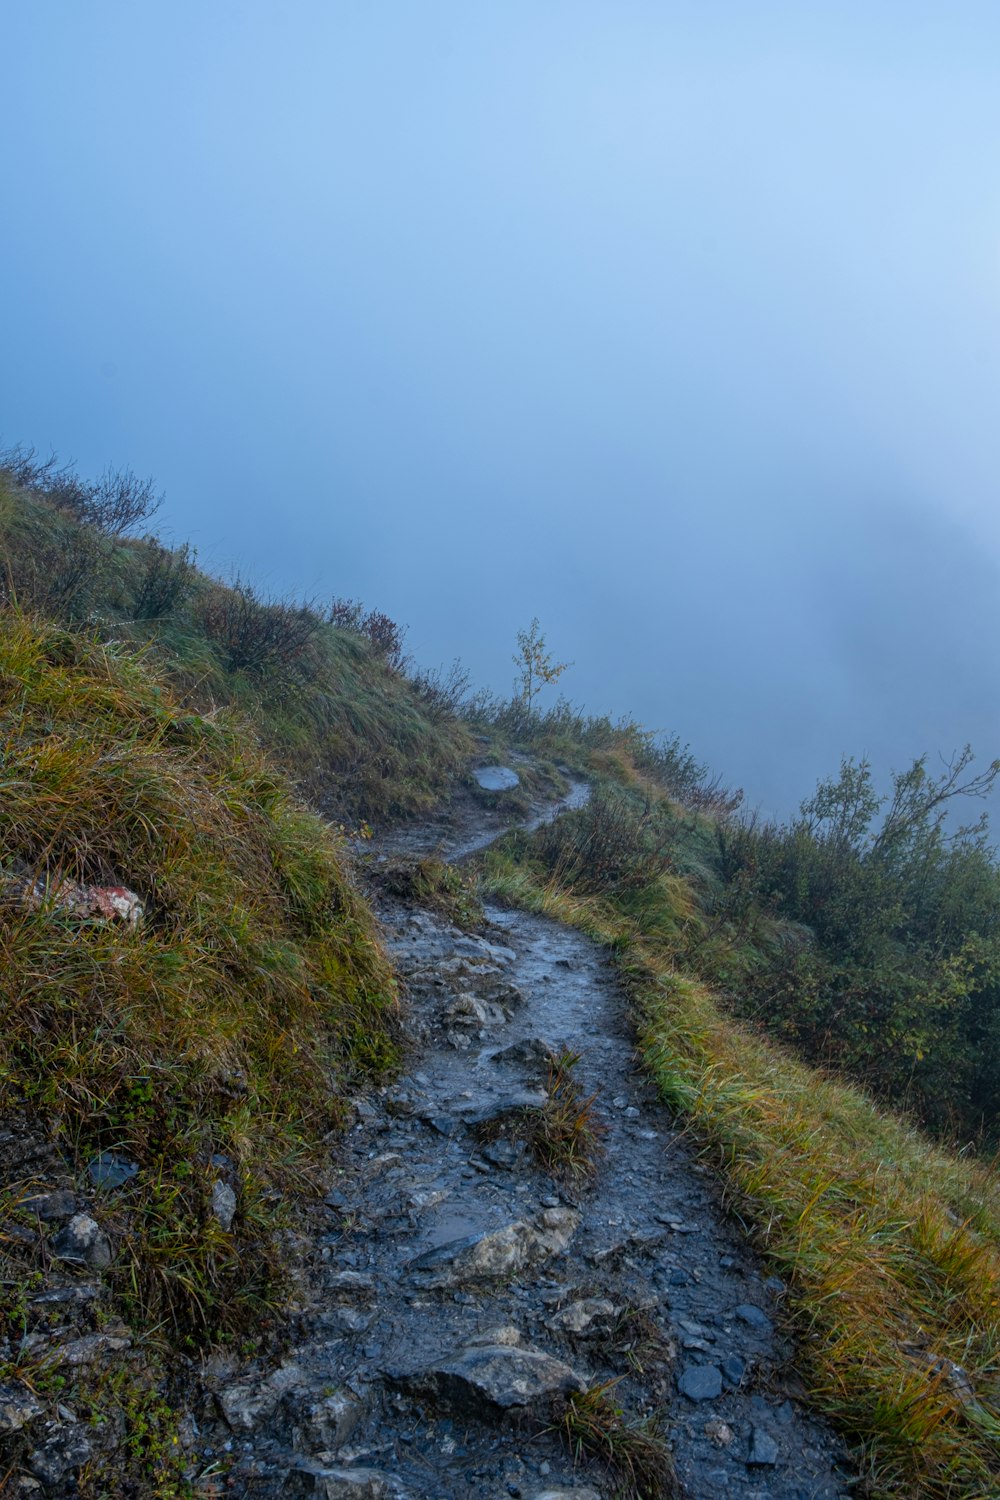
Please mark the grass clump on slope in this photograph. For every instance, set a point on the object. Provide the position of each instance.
(890, 1245)
(228, 1023)
(325, 687)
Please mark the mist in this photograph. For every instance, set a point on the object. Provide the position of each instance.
(675, 326)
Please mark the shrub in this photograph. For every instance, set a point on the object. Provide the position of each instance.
(166, 579)
(253, 634)
(618, 842)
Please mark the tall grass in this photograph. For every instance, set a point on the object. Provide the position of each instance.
(231, 1020)
(889, 1244)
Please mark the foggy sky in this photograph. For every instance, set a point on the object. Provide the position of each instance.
(675, 325)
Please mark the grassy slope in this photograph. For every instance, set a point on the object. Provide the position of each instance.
(233, 1020)
(890, 1245)
(360, 741)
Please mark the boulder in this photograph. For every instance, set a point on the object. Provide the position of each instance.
(481, 1380)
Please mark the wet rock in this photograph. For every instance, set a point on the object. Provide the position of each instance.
(587, 1317)
(754, 1317)
(581, 1494)
(349, 1319)
(508, 1104)
(500, 1252)
(223, 1204)
(533, 1054)
(18, 1406)
(357, 1484)
(472, 1011)
(83, 1242)
(503, 1153)
(51, 1208)
(700, 1383)
(67, 1448)
(248, 1403)
(355, 1283)
(763, 1449)
(484, 1379)
(325, 1425)
(109, 1170)
(497, 778)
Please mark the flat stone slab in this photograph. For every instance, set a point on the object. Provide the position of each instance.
(497, 778)
(481, 1380)
(700, 1383)
(500, 1252)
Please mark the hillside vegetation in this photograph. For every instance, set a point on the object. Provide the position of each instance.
(890, 1245)
(323, 687)
(819, 1001)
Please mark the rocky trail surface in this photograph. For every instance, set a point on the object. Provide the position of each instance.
(461, 1294)
(456, 1297)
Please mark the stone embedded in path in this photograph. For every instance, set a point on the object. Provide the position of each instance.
(754, 1317)
(481, 1380)
(581, 1494)
(587, 1317)
(499, 1252)
(763, 1449)
(534, 1054)
(700, 1383)
(248, 1403)
(507, 1104)
(356, 1484)
(324, 1425)
(497, 778)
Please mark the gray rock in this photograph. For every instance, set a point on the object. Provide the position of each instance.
(52, 1207)
(109, 1170)
(325, 1425)
(588, 1316)
(497, 778)
(754, 1317)
(223, 1204)
(481, 1380)
(533, 1054)
(507, 1104)
(247, 1404)
(499, 1252)
(67, 1448)
(349, 1319)
(733, 1370)
(763, 1449)
(582, 1494)
(502, 1153)
(18, 1406)
(82, 1241)
(357, 1484)
(357, 1283)
(719, 1432)
(700, 1383)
